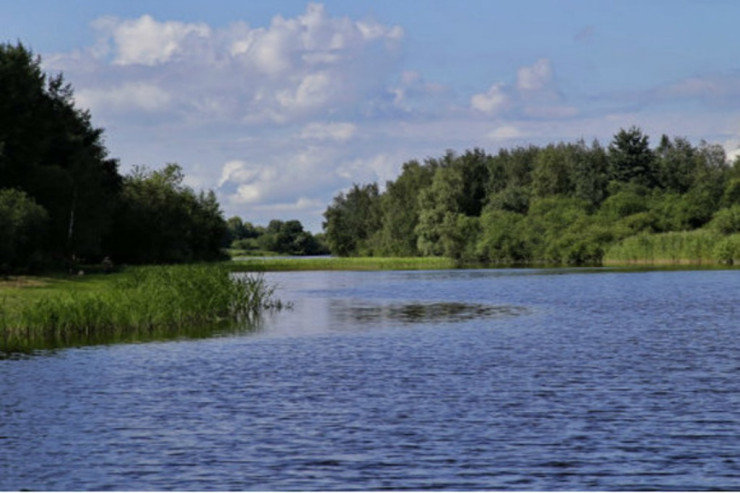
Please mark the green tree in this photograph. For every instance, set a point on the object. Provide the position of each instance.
(160, 220)
(400, 210)
(676, 164)
(51, 151)
(352, 219)
(590, 172)
(23, 225)
(553, 171)
(631, 159)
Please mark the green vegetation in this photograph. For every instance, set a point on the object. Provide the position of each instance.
(140, 302)
(62, 199)
(567, 203)
(278, 238)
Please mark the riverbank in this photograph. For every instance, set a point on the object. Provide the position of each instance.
(139, 302)
(277, 264)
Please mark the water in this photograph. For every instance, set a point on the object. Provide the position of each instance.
(489, 379)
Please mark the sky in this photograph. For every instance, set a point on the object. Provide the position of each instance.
(280, 105)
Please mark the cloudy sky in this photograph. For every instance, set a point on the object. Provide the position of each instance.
(278, 105)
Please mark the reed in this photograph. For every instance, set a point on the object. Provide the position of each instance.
(141, 300)
(685, 247)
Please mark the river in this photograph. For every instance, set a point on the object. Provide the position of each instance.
(507, 379)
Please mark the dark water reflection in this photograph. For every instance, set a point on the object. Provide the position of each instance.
(352, 312)
(457, 380)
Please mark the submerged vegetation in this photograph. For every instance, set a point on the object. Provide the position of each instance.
(567, 203)
(138, 302)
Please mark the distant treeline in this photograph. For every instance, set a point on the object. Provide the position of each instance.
(280, 237)
(62, 199)
(566, 203)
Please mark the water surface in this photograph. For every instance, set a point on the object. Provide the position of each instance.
(487, 379)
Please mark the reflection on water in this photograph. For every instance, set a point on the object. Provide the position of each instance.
(18, 342)
(428, 313)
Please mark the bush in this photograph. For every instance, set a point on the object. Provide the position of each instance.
(22, 226)
(726, 221)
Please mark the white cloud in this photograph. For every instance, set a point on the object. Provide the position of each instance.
(329, 131)
(129, 96)
(506, 132)
(491, 101)
(237, 171)
(313, 90)
(535, 77)
(146, 41)
(295, 68)
(378, 168)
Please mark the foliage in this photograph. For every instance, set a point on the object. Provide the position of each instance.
(51, 151)
(352, 219)
(279, 237)
(160, 220)
(22, 228)
(75, 205)
(565, 203)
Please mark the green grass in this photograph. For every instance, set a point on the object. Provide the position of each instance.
(341, 263)
(699, 247)
(139, 303)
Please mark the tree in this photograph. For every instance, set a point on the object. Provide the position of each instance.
(630, 158)
(676, 163)
(51, 151)
(352, 219)
(400, 210)
(159, 220)
(552, 171)
(23, 224)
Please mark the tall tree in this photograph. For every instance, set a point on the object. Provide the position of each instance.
(352, 219)
(160, 220)
(631, 159)
(51, 151)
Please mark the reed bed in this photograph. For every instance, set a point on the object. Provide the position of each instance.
(142, 300)
(685, 247)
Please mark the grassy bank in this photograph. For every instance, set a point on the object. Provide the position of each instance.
(341, 263)
(43, 312)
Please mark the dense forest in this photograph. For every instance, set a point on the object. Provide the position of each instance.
(62, 198)
(566, 203)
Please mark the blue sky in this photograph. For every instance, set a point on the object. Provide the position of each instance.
(279, 105)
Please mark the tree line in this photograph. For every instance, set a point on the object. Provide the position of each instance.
(279, 237)
(62, 198)
(563, 203)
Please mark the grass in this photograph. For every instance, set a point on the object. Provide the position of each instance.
(699, 247)
(341, 263)
(138, 303)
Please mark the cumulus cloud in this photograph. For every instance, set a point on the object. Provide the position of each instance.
(491, 101)
(535, 77)
(146, 41)
(290, 70)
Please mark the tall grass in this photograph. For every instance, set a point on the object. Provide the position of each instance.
(685, 247)
(143, 300)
